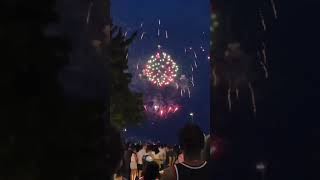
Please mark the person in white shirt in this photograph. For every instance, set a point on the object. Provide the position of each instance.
(140, 155)
(133, 164)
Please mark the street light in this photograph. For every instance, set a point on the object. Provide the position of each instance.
(261, 167)
(191, 114)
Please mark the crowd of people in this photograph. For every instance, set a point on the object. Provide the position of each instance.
(153, 161)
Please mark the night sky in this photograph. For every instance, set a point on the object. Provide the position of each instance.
(187, 23)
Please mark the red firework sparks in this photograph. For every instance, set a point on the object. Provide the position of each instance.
(162, 110)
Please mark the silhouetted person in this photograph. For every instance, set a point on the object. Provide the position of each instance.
(133, 164)
(140, 155)
(150, 171)
(191, 140)
(171, 156)
(125, 168)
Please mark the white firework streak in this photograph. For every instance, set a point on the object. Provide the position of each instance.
(263, 22)
(166, 34)
(189, 93)
(125, 34)
(264, 53)
(177, 86)
(127, 56)
(191, 68)
(89, 12)
(142, 35)
(158, 32)
(195, 55)
(274, 9)
(138, 66)
(192, 81)
(229, 99)
(265, 70)
(195, 64)
(253, 98)
(185, 50)
(141, 25)
(237, 93)
(159, 22)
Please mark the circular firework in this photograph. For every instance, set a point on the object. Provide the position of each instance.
(160, 69)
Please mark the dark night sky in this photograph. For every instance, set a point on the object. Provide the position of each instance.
(187, 23)
(291, 129)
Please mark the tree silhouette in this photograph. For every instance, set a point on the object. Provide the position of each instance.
(126, 107)
(42, 135)
(31, 94)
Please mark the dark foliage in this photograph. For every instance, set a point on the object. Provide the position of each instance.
(42, 135)
(126, 106)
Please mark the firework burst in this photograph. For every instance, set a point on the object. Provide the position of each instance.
(160, 69)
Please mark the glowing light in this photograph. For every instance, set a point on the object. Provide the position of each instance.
(261, 166)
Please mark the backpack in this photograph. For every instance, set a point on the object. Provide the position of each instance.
(146, 159)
